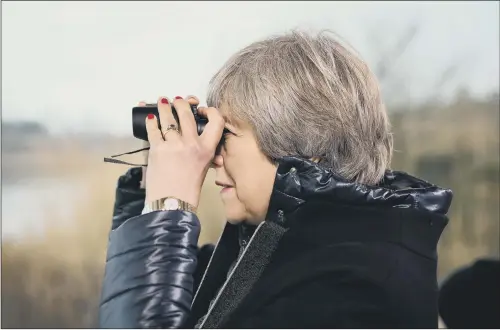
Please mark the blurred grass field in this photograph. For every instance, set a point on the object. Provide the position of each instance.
(53, 281)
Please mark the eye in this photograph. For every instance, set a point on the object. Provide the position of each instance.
(224, 138)
(227, 133)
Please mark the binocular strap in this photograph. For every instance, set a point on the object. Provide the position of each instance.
(117, 161)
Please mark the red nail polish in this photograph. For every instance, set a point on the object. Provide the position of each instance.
(178, 98)
(164, 101)
(151, 116)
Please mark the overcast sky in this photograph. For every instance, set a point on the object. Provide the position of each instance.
(81, 66)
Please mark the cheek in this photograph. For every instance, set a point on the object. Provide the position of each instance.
(253, 178)
(238, 167)
(251, 173)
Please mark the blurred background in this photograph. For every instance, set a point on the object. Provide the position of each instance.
(72, 71)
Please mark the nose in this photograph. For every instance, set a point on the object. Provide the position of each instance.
(218, 161)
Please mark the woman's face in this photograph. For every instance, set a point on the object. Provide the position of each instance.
(246, 175)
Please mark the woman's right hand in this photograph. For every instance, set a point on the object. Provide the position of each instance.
(145, 154)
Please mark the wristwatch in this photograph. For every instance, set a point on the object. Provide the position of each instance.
(168, 204)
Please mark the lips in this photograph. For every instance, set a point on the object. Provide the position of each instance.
(223, 185)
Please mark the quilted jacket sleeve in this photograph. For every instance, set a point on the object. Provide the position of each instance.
(129, 197)
(150, 265)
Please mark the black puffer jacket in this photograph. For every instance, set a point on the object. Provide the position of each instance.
(330, 254)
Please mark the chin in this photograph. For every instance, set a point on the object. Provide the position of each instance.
(241, 218)
(235, 218)
(234, 210)
(235, 221)
(234, 215)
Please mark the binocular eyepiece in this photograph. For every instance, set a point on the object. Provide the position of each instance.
(139, 115)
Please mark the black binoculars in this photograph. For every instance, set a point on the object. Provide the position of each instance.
(139, 115)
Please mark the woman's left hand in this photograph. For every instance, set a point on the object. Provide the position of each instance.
(179, 159)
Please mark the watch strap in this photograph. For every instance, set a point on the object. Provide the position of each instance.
(159, 205)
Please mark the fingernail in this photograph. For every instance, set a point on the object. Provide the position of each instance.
(164, 101)
(178, 98)
(151, 116)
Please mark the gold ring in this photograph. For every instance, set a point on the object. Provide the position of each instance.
(171, 127)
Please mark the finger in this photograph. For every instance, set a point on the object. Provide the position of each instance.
(186, 118)
(154, 134)
(213, 130)
(166, 116)
(193, 100)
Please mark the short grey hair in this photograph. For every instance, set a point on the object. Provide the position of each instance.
(309, 96)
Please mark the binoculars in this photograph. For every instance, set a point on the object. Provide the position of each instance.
(139, 115)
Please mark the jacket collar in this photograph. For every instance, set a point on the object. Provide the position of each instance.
(299, 180)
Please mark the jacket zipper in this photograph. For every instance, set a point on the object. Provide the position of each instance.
(206, 271)
(228, 278)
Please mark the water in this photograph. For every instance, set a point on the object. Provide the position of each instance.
(27, 206)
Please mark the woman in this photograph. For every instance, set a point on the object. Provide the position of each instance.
(320, 232)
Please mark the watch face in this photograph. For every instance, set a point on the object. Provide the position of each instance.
(171, 204)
